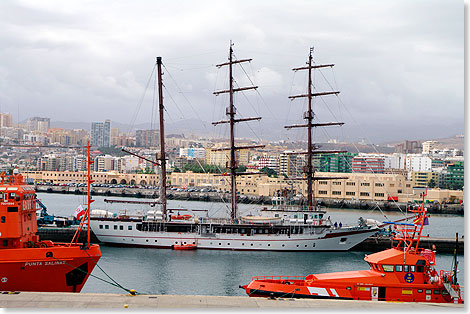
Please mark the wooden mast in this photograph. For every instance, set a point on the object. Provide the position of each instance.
(309, 115)
(162, 140)
(231, 111)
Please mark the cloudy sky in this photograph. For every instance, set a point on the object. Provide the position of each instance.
(399, 65)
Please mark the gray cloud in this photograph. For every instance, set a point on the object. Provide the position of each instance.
(399, 64)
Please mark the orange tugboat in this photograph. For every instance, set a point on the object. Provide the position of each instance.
(28, 264)
(404, 273)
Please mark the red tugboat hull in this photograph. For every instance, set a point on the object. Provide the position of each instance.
(405, 273)
(60, 268)
(28, 264)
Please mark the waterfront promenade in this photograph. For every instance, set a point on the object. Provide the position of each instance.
(244, 199)
(40, 300)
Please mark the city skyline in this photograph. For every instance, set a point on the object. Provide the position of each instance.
(398, 65)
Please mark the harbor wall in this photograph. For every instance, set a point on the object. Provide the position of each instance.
(457, 209)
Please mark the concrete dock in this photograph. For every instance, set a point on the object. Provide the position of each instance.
(40, 300)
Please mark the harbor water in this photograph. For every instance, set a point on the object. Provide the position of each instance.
(214, 272)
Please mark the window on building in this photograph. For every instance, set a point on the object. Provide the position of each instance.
(351, 193)
(365, 184)
(323, 192)
(336, 192)
(379, 194)
(351, 183)
(364, 194)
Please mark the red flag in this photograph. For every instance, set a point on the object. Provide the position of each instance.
(79, 212)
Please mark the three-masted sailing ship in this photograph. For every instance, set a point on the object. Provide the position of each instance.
(284, 228)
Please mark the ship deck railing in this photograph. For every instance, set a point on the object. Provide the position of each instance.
(279, 278)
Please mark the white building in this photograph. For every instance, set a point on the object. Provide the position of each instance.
(418, 162)
(193, 152)
(428, 146)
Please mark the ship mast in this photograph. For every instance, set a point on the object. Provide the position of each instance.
(162, 156)
(231, 111)
(89, 200)
(309, 115)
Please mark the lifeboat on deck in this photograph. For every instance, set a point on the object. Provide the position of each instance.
(180, 217)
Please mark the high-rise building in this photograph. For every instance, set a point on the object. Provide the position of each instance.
(147, 138)
(333, 162)
(368, 164)
(5, 120)
(101, 134)
(38, 124)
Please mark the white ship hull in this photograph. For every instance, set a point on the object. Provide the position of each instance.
(125, 233)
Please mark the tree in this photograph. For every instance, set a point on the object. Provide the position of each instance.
(431, 183)
(269, 171)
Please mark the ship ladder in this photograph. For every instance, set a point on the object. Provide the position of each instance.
(454, 294)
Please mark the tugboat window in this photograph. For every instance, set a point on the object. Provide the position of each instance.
(420, 269)
(428, 291)
(412, 268)
(129, 227)
(405, 268)
(106, 226)
(388, 268)
(3, 219)
(398, 267)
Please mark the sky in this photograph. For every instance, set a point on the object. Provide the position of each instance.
(399, 65)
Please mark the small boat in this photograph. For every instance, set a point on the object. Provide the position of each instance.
(189, 246)
(180, 217)
(261, 220)
(28, 263)
(404, 273)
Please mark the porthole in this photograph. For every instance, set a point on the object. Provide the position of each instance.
(156, 241)
(283, 245)
(297, 245)
(269, 244)
(147, 240)
(251, 244)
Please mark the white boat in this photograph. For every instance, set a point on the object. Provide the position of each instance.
(283, 228)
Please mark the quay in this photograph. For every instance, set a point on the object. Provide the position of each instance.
(372, 244)
(38, 300)
(457, 209)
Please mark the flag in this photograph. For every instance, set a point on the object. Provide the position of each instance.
(426, 221)
(79, 212)
(418, 220)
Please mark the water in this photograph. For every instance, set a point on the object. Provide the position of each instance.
(207, 272)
